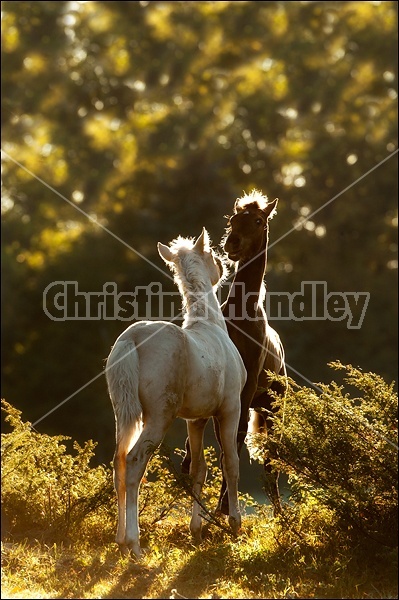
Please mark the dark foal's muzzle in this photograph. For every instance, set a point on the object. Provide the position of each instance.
(233, 246)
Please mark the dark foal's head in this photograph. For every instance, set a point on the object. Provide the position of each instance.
(247, 230)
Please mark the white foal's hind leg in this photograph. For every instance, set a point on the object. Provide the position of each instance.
(120, 488)
(124, 437)
(136, 463)
(228, 435)
(197, 472)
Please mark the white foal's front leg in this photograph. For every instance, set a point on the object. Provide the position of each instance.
(230, 465)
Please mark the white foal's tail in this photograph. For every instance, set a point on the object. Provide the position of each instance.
(122, 374)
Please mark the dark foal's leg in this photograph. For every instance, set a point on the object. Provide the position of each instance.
(271, 486)
(186, 462)
(271, 475)
(185, 465)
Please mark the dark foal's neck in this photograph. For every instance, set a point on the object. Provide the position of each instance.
(246, 287)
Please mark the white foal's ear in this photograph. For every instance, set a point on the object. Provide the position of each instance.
(165, 253)
(199, 244)
(203, 242)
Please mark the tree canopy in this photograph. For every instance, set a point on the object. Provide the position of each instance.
(128, 123)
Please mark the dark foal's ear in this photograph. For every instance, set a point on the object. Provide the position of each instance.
(271, 209)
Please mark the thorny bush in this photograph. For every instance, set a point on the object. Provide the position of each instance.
(341, 451)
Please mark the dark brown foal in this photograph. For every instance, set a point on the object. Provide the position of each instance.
(259, 344)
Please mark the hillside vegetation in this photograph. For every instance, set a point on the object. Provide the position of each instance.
(129, 123)
(336, 537)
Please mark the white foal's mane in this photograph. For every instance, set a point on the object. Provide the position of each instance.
(191, 276)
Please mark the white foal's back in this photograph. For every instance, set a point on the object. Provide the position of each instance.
(216, 371)
(199, 368)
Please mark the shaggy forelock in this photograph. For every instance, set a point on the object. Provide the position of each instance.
(255, 199)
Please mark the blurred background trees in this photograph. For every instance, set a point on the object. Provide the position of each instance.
(151, 118)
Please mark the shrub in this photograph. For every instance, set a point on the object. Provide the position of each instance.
(47, 492)
(51, 494)
(341, 451)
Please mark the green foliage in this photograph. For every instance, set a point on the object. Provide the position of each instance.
(340, 452)
(46, 491)
(152, 117)
(52, 494)
(323, 545)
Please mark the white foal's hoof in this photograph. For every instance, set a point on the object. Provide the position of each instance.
(197, 538)
(135, 550)
(235, 525)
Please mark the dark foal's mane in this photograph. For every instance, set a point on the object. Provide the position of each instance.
(245, 242)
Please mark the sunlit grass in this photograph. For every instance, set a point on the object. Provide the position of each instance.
(264, 561)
